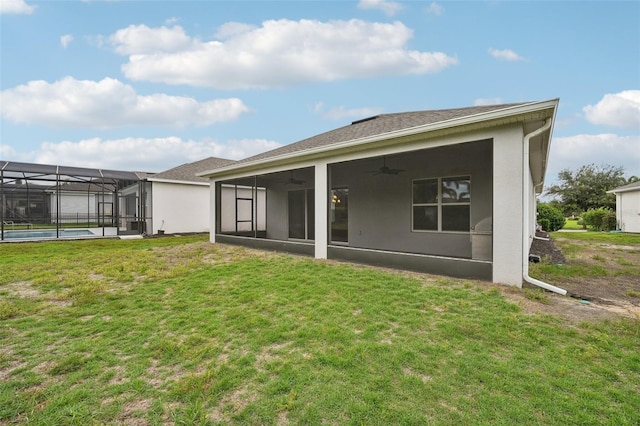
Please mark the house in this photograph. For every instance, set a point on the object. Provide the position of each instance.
(179, 201)
(39, 197)
(82, 202)
(449, 192)
(628, 207)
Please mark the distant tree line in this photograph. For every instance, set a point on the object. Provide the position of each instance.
(583, 192)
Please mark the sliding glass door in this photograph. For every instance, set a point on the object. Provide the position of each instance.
(302, 214)
(340, 215)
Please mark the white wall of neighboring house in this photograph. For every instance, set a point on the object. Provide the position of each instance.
(628, 211)
(179, 207)
(184, 207)
(75, 206)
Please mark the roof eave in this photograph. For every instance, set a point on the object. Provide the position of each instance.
(546, 144)
(181, 182)
(620, 191)
(494, 117)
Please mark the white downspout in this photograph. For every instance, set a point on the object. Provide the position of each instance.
(525, 212)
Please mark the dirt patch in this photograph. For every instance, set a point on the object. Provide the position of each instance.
(610, 287)
(231, 404)
(424, 377)
(571, 309)
(22, 289)
(132, 411)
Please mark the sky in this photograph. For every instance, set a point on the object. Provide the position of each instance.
(149, 85)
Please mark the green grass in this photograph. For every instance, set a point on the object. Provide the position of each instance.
(617, 238)
(572, 224)
(607, 261)
(178, 331)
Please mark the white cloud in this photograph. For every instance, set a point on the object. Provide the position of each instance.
(435, 9)
(7, 151)
(279, 53)
(65, 40)
(141, 154)
(617, 110)
(505, 55)
(388, 7)
(318, 107)
(16, 7)
(230, 29)
(487, 101)
(140, 40)
(341, 112)
(572, 152)
(109, 103)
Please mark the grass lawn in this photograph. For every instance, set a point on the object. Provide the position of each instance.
(572, 224)
(614, 238)
(178, 331)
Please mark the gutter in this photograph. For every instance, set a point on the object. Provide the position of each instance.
(525, 210)
(181, 182)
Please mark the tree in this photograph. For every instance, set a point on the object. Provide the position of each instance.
(586, 188)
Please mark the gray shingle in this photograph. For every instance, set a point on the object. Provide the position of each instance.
(378, 125)
(187, 172)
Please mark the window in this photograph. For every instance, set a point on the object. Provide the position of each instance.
(442, 204)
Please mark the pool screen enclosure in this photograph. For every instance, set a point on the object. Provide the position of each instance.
(35, 198)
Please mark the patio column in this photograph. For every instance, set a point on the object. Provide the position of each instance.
(213, 210)
(508, 213)
(322, 209)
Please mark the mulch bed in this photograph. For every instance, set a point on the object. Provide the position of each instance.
(546, 249)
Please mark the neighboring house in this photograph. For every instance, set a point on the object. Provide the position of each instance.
(449, 192)
(628, 207)
(76, 203)
(179, 200)
(34, 196)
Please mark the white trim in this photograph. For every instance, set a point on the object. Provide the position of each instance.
(181, 182)
(620, 191)
(321, 207)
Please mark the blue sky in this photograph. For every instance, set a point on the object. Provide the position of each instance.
(149, 85)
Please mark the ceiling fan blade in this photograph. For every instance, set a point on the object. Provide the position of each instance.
(396, 171)
(386, 170)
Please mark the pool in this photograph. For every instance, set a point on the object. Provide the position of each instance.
(46, 233)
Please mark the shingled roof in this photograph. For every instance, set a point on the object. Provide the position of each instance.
(187, 172)
(377, 125)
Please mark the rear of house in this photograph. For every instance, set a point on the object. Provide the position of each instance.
(449, 192)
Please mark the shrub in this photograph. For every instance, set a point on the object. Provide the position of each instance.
(545, 223)
(601, 219)
(551, 216)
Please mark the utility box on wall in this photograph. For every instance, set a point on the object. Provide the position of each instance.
(482, 240)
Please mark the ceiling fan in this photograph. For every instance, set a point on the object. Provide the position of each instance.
(293, 181)
(385, 170)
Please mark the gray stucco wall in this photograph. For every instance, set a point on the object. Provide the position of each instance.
(380, 206)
